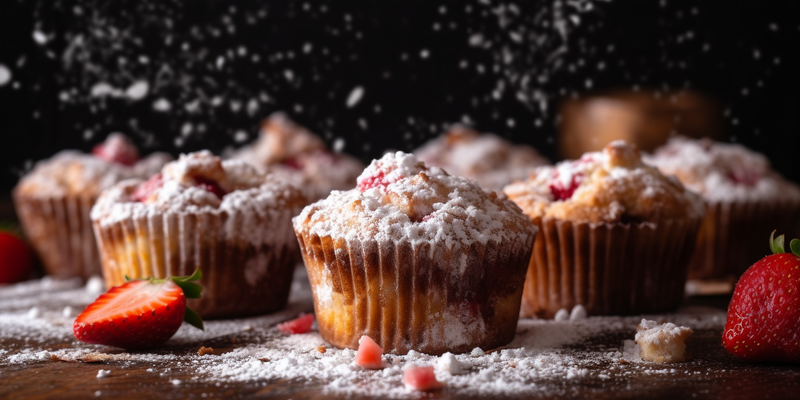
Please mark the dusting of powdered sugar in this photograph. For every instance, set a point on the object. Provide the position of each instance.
(722, 171)
(250, 190)
(544, 358)
(73, 172)
(604, 186)
(486, 158)
(399, 198)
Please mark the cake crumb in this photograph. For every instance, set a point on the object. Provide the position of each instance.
(205, 350)
(321, 349)
(664, 343)
(263, 359)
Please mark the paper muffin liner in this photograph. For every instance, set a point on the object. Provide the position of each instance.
(247, 260)
(420, 296)
(734, 235)
(60, 230)
(609, 268)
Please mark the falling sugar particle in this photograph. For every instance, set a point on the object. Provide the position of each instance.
(289, 75)
(240, 136)
(101, 89)
(5, 75)
(137, 90)
(162, 105)
(338, 145)
(355, 96)
(424, 53)
(39, 37)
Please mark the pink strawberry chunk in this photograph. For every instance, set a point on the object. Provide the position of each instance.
(297, 325)
(421, 378)
(117, 149)
(211, 186)
(369, 353)
(378, 180)
(146, 189)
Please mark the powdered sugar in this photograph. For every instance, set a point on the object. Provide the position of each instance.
(245, 191)
(487, 158)
(545, 357)
(399, 198)
(721, 171)
(606, 186)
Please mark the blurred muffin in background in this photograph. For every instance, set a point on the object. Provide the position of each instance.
(486, 158)
(745, 198)
(297, 155)
(615, 235)
(645, 118)
(53, 201)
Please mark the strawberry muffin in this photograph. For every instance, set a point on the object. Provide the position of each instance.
(292, 152)
(486, 158)
(54, 199)
(416, 259)
(615, 234)
(746, 200)
(227, 218)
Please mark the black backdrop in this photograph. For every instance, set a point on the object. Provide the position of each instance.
(376, 75)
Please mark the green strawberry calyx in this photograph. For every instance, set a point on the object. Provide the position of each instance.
(191, 289)
(776, 244)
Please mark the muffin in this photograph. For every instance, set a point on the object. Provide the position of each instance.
(54, 199)
(297, 155)
(615, 235)
(227, 218)
(416, 259)
(745, 198)
(486, 158)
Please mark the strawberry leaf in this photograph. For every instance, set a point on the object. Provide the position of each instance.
(795, 246)
(776, 243)
(193, 319)
(191, 289)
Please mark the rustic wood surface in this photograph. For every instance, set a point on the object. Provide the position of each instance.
(711, 373)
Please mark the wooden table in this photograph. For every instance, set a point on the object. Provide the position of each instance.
(711, 372)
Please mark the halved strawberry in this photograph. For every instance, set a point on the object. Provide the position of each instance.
(764, 313)
(297, 325)
(369, 353)
(421, 378)
(140, 314)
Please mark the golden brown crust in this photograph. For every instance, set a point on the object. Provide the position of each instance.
(611, 186)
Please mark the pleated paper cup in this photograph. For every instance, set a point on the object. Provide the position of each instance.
(247, 260)
(609, 268)
(421, 296)
(60, 230)
(734, 235)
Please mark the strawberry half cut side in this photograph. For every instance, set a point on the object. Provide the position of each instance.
(140, 313)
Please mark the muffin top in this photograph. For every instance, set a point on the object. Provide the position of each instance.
(291, 151)
(71, 172)
(612, 185)
(197, 183)
(489, 159)
(721, 171)
(399, 198)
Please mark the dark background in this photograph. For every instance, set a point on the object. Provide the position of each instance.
(185, 75)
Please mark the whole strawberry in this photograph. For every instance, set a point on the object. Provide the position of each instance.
(15, 256)
(764, 314)
(140, 314)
